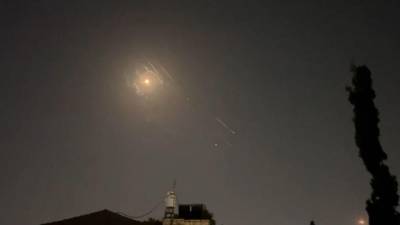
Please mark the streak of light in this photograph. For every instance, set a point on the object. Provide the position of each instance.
(223, 124)
(166, 72)
(156, 72)
(188, 99)
(152, 66)
(151, 76)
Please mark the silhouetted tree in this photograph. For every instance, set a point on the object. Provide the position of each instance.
(208, 215)
(312, 222)
(381, 206)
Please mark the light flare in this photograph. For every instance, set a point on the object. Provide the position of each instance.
(146, 81)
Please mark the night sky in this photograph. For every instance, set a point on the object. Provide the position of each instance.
(75, 138)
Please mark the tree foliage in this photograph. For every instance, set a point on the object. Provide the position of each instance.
(381, 206)
(208, 215)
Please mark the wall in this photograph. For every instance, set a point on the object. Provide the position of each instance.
(185, 222)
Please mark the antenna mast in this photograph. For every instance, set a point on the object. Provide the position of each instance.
(170, 203)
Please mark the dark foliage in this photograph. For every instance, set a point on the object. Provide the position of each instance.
(312, 222)
(381, 206)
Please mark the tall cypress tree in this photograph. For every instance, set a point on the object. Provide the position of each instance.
(381, 206)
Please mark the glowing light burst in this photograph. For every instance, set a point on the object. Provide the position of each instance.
(151, 81)
(147, 80)
(361, 222)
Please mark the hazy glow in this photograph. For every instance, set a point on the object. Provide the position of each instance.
(361, 221)
(147, 80)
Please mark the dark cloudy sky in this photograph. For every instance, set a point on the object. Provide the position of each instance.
(74, 138)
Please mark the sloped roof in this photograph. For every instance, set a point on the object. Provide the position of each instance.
(103, 217)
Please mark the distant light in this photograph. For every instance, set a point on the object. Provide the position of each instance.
(146, 81)
(361, 221)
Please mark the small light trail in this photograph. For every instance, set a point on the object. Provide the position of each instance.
(223, 124)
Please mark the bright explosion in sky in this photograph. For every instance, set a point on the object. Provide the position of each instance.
(150, 79)
(147, 80)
